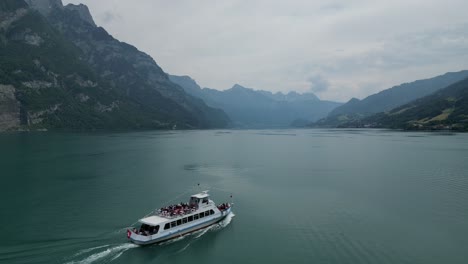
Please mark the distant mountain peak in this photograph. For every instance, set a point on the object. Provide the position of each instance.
(185, 77)
(83, 12)
(187, 83)
(238, 86)
(45, 7)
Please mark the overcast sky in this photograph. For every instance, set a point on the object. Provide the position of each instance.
(336, 49)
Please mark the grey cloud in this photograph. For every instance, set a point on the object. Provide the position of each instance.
(107, 17)
(271, 44)
(318, 84)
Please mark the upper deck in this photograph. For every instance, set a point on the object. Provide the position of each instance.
(197, 201)
(201, 195)
(153, 220)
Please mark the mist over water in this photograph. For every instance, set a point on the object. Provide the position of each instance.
(300, 196)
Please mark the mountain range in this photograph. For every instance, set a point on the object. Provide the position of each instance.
(250, 108)
(58, 70)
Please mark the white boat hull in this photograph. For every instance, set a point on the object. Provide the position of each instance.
(180, 230)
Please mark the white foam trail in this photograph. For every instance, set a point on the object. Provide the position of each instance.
(117, 256)
(113, 251)
(226, 221)
(173, 240)
(184, 248)
(202, 232)
(81, 252)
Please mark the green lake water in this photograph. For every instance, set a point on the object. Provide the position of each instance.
(300, 196)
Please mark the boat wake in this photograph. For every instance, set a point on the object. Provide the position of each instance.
(226, 221)
(111, 253)
(168, 242)
(183, 249)
(201, 232)
(84, 251)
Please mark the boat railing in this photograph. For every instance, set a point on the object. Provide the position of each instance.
(174, 211)
(224, 206)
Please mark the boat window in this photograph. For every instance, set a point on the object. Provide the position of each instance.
(193, 201)
(184, 220)
(190, 218)
(207, 213)
(155, 229)
(211, 212)
(205, 200)
(145, 230)
(195, 217)
(173, 224)
(167, 226)
(202, 215)
(179, 222)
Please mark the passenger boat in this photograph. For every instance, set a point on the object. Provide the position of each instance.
(177, 220)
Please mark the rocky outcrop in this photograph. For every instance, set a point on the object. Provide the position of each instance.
(37, 84)
(82, 11)
(9, 108)
(35, 118)
(107, 108)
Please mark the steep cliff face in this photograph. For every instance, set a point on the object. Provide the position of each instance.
(42, 78)
(50, 80)
(130, 71)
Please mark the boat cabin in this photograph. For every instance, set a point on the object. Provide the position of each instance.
(200, 199)
(150, 225)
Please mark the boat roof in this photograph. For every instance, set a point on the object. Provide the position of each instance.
(153, 220)
(201, 195)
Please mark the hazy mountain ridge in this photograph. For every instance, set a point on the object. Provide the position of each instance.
(258, 109)
(64, 72)
(445, 109)
(388, 99)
